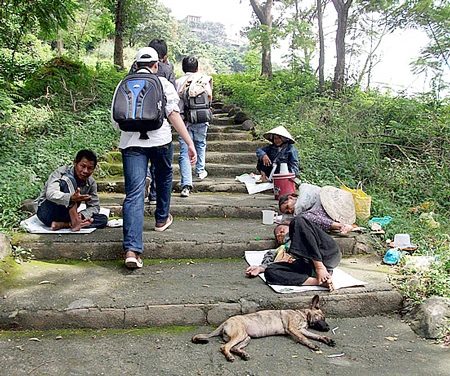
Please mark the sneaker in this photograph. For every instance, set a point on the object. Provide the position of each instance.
(202, 175)
(133, 260)
(152, 202)
(186, 191)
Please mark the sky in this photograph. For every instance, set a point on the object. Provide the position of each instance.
(397, 50)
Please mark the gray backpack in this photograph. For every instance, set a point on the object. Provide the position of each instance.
(197, 109)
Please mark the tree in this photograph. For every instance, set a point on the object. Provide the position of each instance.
(17, 18)
(342, 8)
(434, 19)
(321, 67)
(118, 35)
(263, 12)
(302, 40)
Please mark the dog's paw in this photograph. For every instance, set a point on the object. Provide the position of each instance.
(330, 342)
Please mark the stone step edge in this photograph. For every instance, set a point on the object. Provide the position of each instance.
(144, 316)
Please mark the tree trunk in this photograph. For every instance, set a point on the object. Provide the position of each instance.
(59, 44)
(339, 70)
(264, 14)
(321, 45)
(118, 36)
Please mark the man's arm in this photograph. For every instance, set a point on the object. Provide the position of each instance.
(53, 191)
(180, 127)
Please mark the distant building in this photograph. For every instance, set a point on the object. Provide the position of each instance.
(194, 19)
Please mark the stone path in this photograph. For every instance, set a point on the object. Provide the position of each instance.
(193, 272)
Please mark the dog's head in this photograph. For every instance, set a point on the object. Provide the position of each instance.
(315, 316)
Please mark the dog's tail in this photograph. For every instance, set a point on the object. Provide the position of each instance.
(204, 338)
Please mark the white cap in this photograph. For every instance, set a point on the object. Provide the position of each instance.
(146, 55)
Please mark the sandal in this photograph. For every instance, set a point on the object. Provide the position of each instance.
(164, 225)
(134, 262)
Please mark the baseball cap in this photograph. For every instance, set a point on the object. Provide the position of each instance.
(146, 55)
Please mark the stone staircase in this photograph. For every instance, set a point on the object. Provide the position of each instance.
(194, 272)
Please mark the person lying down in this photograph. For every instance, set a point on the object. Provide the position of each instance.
(307, 258)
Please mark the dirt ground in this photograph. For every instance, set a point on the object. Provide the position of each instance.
(364, 346)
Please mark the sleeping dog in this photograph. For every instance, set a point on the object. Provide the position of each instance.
(238, 330)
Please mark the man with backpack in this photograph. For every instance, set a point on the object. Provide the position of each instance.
(165, 69)
(195, 91)
(142, 106)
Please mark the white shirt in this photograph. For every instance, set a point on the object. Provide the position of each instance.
(159, 137)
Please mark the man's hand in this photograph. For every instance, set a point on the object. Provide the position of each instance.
(192, 154)
(78, 197)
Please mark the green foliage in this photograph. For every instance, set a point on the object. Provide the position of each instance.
(69, 83)
(46, 130)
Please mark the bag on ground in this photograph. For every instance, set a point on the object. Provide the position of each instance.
(139, 104)
(362, 200)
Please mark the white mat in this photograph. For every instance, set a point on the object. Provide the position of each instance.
(35, 226)
(340, 278)
(250, 181)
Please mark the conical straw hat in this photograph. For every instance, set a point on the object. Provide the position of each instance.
(338, 204)
(279, 131)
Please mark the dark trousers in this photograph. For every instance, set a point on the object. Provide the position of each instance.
(49, 211)
(308, 242)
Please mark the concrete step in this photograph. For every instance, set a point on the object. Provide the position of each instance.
(187, 237)
(223, 119)
(227, 128)
(215, 170)
(204, 205)
(210, 184)
(245, 146)
(230, 146)
(211, 157)
(100, 295)
(219, 136)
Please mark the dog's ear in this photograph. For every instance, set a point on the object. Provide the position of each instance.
(315, 302)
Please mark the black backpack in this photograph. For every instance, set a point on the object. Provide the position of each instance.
(197, 109)
(139, 104)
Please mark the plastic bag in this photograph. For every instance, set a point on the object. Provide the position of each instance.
(362, 200)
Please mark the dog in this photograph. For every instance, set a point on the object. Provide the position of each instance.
(238, 330)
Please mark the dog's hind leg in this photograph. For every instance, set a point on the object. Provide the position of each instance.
(318, 337)
(239, 349)
(237, 333)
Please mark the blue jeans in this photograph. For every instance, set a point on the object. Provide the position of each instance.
(135, 164)
(152, 190)
(198, 135)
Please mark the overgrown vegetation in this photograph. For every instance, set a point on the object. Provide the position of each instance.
(397, 146)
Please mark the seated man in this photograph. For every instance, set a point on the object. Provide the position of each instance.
(65, 189)
(308, 260)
